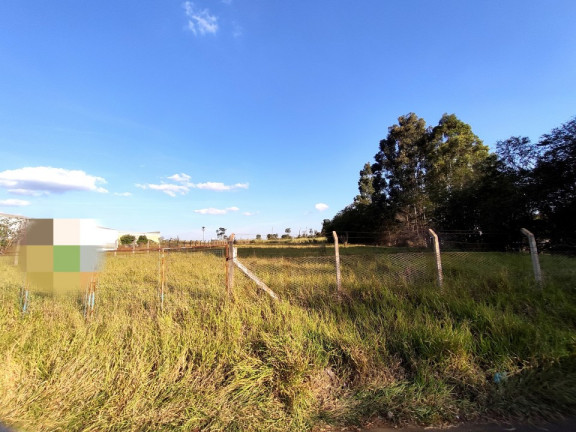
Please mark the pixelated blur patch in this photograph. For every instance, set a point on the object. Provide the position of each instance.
(90, 258)
(39, 232)
(66, 258)
(62, 256)
(67, 282)
(39, 258)
(40, 282)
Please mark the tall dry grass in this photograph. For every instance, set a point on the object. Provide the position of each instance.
(399, 348)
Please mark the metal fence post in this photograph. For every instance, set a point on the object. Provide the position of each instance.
(230, 265)
(162, 278)
(337, 258)
(534, 255)
(24, 296)
(90, 299)
(437, 256)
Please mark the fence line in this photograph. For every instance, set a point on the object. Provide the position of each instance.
(326, 269)
(409, 267)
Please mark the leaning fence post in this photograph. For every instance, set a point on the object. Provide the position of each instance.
(533, 255)
(437, 256)
(337, 258)
(230, 265)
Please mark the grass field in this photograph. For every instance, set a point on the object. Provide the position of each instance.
(394, 347)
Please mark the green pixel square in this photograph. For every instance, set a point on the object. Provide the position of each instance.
(66, 258)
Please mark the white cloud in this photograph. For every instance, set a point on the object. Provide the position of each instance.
(200, 21)
(14, 203)
(215, 211)
(181, 178)
(218, 186)
(27, 192)
(168, 189)
(249, 213)
(35, 181)
(321, 207)
(124, 194)
(184, 185)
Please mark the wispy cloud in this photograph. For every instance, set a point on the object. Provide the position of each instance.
(182, 185)
(217, 186)
(27, 192)
(249, 213)
(215, 211)
(237, 30)
(200, 21)
(321, 207)
(14, 203)
(36, 181)
(180, 177)
(168, 189)
(124, 194)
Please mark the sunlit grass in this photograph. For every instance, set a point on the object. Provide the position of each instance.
(394, 344)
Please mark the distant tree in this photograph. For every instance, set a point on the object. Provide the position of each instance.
(457, 160)
(11, 231)
(518, 154)
(555, 179)
(142, 239)
(416, 172)
(221, 233)
(272, 236)
(258, 236)
(454, 157)
(365, 186)
(127, 239)
(399, 172)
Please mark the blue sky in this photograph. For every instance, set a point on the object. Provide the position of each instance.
(254, 115)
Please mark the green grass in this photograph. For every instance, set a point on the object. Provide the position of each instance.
(394, 345)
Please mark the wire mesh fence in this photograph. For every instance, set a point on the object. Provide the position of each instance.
(151, 281)
(476, 256)
(303, 273)
(292, 276)
(386, 268)
(144, 281)
(466, 258)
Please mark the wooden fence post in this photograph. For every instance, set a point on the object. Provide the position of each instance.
(437, 256)
(230, 265)
(534, 255)
(337, 258)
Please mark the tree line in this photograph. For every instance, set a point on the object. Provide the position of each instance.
(444, 177)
